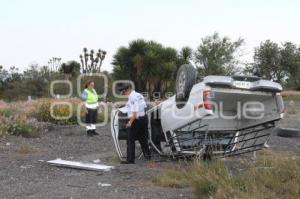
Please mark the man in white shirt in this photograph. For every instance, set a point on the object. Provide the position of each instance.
(137, 124)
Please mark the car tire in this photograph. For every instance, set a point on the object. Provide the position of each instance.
(186, 78)
(288, 132)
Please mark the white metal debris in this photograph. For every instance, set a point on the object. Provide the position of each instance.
(80, 165)
(104, 184)
(26, 166)
(97, 161)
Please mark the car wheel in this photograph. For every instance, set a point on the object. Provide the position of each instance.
(288, 132)
(186, 78)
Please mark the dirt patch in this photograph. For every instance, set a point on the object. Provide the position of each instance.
(26, 149)
(290, 93)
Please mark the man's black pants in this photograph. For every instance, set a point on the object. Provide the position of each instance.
(137, 131)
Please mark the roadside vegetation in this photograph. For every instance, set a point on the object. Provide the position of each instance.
(14, 122)
(29, 118)
(150, 65)
(63, 114)
(49, 110)
(271, 175)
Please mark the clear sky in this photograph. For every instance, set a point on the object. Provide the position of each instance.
(33, 31)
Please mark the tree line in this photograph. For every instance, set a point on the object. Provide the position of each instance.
(153, 66)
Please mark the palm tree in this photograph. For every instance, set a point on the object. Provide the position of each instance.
(70, 68)
(149, 65)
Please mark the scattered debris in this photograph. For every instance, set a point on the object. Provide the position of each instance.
(97, 161)
(8, 144)
(266, 145)
(26, 166)
(104, 184)
(76, 186)
(80, 165)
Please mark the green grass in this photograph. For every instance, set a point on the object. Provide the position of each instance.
(271, 176)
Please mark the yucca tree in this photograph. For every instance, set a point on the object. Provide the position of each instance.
(91, 62)
(54, 64)
(101, 56)
(82, 63)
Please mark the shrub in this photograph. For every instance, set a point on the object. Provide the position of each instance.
(60, 111)
(18, 125)
(43, 112)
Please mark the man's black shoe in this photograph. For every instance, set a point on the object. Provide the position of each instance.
(126, 162)
(94, 133)
(89, 133)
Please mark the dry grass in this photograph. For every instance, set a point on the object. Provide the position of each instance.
(153, 165)
(25, 149)
(175, 178)
(271, 176)
(292, 110)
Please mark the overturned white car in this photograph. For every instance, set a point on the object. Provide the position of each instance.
(219, 115)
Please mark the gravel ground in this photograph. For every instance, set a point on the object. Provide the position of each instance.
(24, 173)
(291, 145)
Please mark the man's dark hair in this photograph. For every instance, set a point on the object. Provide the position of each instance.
(124, 87)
